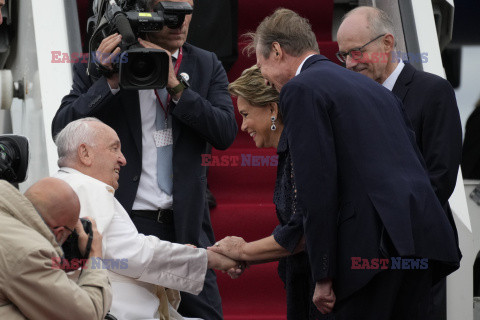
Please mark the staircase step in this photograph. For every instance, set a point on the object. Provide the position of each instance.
(258, 294)
(267, 299)
(248, 175)
(249, 221)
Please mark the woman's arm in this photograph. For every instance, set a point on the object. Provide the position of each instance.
(255, 252)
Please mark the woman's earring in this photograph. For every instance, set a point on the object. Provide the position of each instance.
(273, 127)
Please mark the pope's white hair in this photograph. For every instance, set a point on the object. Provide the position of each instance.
(72, 136)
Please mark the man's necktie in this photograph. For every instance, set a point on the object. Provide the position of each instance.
(165, 153)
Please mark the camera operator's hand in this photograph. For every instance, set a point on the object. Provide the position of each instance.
(105, 56)
(172, 77)
(96, 248)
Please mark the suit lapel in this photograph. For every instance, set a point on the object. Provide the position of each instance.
(131, 107)
(404, 79)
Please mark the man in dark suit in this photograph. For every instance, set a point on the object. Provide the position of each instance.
(361, 183)
(471, 146)
(173, 209)
(429, 102)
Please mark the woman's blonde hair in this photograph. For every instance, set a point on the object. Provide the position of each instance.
(252, 87)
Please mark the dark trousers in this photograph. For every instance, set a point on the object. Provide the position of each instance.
(438, 301)
(207, 305)
(390, 295)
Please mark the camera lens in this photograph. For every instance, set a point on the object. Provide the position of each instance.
(142, 66)
(13, 158)
(7, 153)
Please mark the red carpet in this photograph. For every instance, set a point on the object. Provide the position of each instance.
(245, 193)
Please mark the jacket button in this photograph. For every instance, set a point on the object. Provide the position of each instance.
(136, 178)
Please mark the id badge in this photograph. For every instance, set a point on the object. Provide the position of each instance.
(163, 137)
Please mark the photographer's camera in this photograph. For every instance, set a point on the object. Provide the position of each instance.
(13, 158)
(71, 247)
(138, 67)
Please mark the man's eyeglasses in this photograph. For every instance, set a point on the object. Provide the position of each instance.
(355, 53)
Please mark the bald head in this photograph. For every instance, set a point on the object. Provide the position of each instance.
(55, 201)
(371, 31)
(368, 21)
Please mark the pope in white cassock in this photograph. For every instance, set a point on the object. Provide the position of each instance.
(90, 158)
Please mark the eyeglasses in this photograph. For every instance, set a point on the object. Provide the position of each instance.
(355, 53)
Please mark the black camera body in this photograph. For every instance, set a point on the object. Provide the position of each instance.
(167, 13)
(71, 250)
(14, 157)
(138, 67)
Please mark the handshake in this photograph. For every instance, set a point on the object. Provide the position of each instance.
(226, 256)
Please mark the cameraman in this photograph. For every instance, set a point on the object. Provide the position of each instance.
(32, 228)
(165, 198)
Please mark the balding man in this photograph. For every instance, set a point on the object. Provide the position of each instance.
(90, 160)
(366, 40)
(32, 229)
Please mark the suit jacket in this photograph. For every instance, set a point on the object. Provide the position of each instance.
(431, 106)
(203, 114)
(361, 184)
(32, 284)
(471, 146)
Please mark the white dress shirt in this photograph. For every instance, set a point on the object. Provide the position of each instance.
(151, 261)
(149, 195)
(301, 65)
(389, 83)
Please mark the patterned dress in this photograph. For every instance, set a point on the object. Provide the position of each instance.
(293, 270)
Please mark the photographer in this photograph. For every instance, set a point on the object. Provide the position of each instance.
(32, 228)
(163, 186)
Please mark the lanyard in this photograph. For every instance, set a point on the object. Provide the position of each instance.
(175, 69)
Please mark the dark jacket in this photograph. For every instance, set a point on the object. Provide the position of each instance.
(361, 182)
(431, 107)
(471, 146)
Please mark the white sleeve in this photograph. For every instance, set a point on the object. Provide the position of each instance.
(149, 259)
(113, 91)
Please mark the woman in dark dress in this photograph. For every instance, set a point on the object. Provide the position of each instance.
(258, 105)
